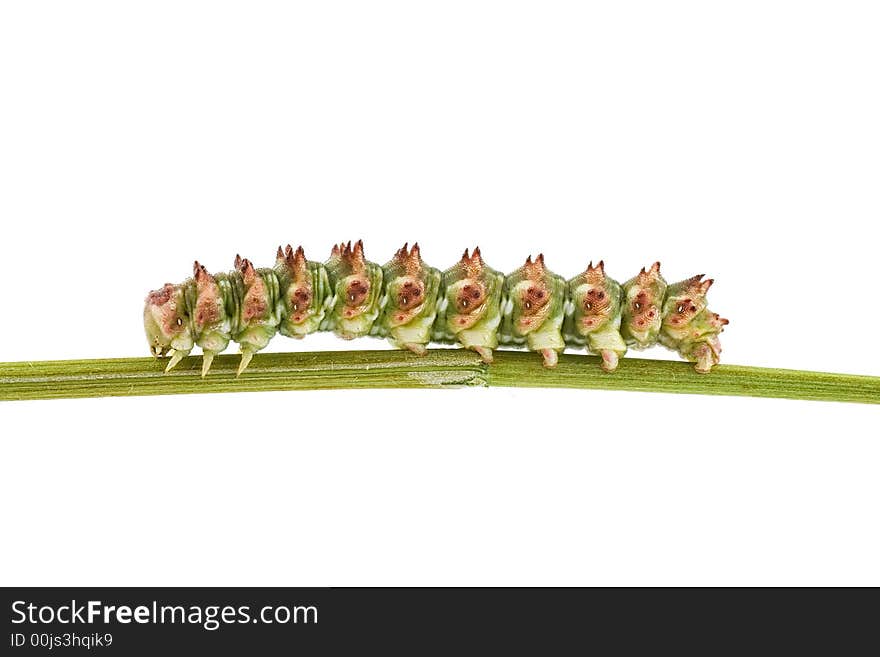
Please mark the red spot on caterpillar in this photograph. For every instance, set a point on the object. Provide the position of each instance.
(357, 292)
(160, 297)
(207, 309)
(254, 305)
(534, 298)
(254, 309)
(410, 295)
(469, 297)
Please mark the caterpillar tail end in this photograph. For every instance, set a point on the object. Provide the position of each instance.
(707, 355)
(246, 356)
(207, 359)
(176, 357)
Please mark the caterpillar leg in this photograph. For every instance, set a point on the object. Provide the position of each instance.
(207, 359)
(176, 357)
(550, 356)
(610, 360)
(246, 355)
(250, 342)
(485, 354)
(416, 348)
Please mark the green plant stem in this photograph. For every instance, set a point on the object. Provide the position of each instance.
(441, 368)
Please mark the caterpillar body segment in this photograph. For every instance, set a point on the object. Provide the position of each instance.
(357, 288)
(469, 312)
(258, 310)
(304, 293)
(215, 316)
(412, 304)
(533, 304)
(642, 308)
(594, 315)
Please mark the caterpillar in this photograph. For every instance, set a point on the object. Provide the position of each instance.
(412, 304)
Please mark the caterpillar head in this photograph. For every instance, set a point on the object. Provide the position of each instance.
(684, 302)
(300, 295)
(643, 305)
(166, 322)
(594, 299)
(467, 296)
(406, 286)
(531, 296)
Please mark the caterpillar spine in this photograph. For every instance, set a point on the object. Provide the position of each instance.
(412, 304)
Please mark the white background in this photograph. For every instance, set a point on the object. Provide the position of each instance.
(736, 139)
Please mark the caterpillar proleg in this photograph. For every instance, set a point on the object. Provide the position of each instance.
(412, 304)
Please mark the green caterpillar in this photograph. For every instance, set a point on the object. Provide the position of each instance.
(412, 304)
